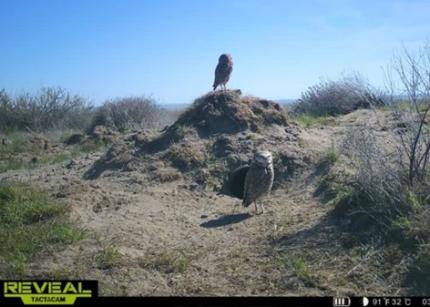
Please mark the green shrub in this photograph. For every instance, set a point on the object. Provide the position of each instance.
(50, 108)
(337, 97)
(130, 113)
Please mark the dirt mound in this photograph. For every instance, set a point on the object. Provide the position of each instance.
(221, 112)
(228, 112)
(118, 157)
(219, 133)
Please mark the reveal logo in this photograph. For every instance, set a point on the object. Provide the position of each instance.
(49, 292)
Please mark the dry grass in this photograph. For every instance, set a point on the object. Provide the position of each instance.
(31, 151)
(107, 258)
(186, 157)
(309, 120)
(166, 174)
(167, 262)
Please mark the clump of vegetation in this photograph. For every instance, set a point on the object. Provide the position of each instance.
(88, 146)
(51, 108)
(376, 206)
(30, 150)
(107, 258)
(181, 131)
(23, 163)
(223, 145)
(372, 201)
(337, 97)
(130, 113)
(185, 157)
(297, 265)
(55, 109)
(332, 153)
(176, 261)
(29, 224)
(413, 112)
(300, 268)
(166, 174)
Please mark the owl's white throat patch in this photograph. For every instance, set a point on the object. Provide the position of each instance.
(264, 159)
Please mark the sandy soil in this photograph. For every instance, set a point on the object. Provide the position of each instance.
(173, 238)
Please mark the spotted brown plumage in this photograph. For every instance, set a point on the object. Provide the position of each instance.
(223, 70)
(259, 179)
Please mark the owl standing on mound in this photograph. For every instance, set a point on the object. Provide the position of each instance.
(259, 179)
(223, 70)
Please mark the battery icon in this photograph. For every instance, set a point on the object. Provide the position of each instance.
(341, 301)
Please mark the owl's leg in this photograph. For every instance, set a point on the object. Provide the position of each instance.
(256, 208)
(262, 208)
(234, 208)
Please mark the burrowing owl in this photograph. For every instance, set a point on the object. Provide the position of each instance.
(259, 179)
(223, 70)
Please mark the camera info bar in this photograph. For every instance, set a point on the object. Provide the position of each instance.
(379, 301)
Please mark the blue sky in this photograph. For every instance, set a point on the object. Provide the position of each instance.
(168, 50)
